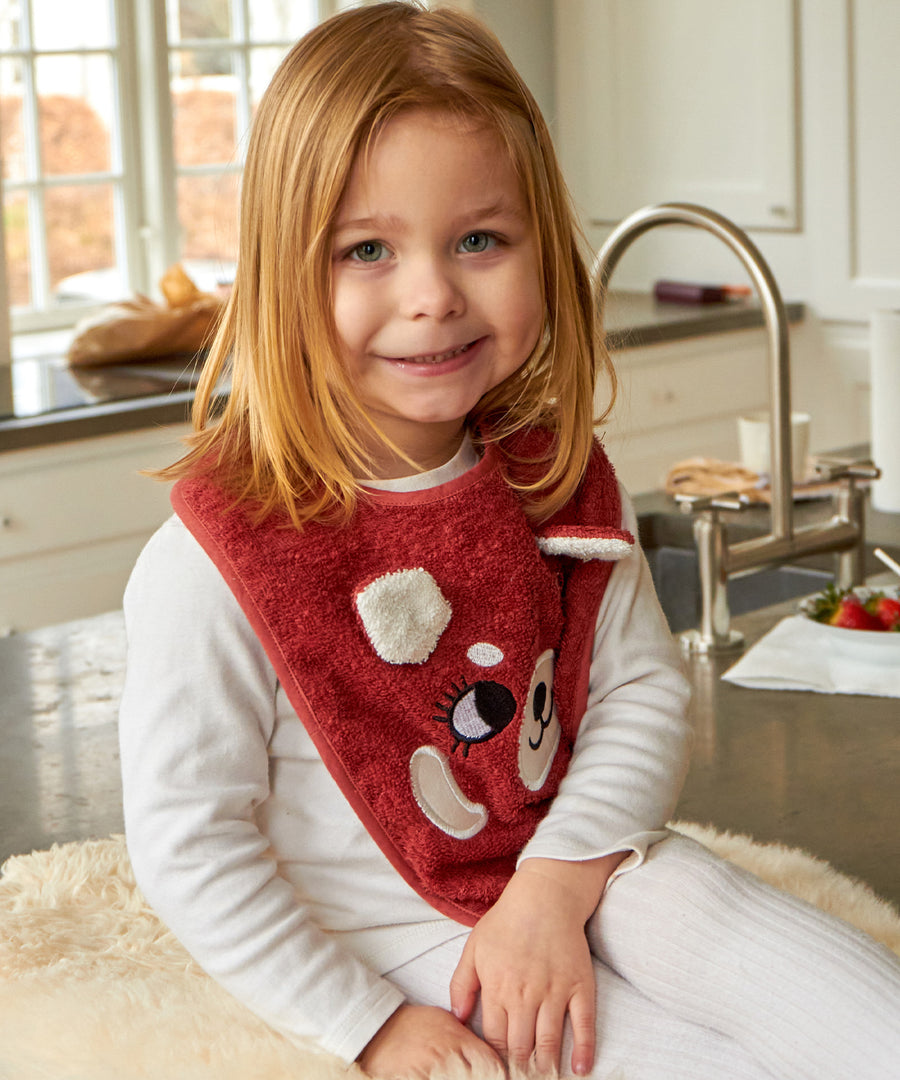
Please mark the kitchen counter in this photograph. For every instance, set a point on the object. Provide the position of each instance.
(52, 402)
(815, 771)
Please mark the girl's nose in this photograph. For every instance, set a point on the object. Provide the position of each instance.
(430, 289)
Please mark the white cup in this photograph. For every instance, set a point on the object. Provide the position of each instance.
(753, 438)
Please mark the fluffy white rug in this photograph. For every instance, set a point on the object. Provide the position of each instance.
(93, 987)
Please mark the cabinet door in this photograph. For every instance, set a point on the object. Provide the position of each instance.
(691, 101)
(73, 518)
(682, 400)
(853, 151)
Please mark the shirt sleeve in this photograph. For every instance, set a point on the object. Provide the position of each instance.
(196, 716)
(633, 745)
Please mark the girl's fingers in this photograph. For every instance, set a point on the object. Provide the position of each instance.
(464, 987)
(494, 1024)
(548, 1035)
(520, 1034)
(582, 1013)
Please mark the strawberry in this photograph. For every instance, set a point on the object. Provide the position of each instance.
(853, 615)
(842, 607)
(886, 609)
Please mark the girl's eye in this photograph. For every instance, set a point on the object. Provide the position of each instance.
(369, 251)
(477, 242)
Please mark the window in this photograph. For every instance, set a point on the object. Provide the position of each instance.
(122, 132)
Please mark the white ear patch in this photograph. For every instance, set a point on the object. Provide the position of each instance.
(609, 548)
(404, 614)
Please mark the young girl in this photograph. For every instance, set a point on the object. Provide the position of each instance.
(403, 721)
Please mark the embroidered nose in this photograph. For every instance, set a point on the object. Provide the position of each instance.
(478, 712)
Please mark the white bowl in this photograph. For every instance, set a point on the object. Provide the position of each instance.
(883, 645)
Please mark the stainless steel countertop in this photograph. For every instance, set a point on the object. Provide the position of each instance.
(809, 770)
(126, 397)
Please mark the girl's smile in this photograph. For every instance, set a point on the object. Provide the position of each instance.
(442, 362)
(437, 289)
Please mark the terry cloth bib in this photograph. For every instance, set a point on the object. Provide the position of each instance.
(437, 650)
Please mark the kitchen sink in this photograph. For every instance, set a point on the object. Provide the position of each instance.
(676, 576)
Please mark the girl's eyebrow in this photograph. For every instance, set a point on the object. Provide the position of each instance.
(376, 222)
(503, 207)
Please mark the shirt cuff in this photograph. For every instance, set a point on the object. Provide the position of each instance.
(356, 1031)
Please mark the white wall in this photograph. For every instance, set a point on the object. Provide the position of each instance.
(526, 29)
(840, 252)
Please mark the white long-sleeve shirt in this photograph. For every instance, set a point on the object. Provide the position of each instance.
(242, 841)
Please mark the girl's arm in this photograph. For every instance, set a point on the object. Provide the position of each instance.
(633, 746)
(629, 762)
(196, 716)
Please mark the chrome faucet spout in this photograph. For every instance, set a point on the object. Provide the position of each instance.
(843, 533)
(640, 222)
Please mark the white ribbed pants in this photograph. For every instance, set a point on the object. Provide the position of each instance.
(705, 973)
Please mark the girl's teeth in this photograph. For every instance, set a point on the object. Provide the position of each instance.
(438, 358)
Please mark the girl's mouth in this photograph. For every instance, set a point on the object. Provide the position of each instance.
(433, 359)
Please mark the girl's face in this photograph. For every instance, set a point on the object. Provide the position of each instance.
(437, 289)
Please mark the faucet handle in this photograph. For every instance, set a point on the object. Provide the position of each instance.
(725, 500)
(829, 469)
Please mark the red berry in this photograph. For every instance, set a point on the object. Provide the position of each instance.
(886, 609)
(852, 615)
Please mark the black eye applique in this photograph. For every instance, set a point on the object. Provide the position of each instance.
(542, 711)
(540, 734)
(476, 712)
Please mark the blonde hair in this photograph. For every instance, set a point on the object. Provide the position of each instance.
(288, 435)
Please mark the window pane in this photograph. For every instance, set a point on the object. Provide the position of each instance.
(18, 253)
(71, 24)
(12, 130)
(198, 19)
(80, 234)
(281, 20)
(10, 24)
(75, 102)
(203, 119)
(208, 215)
(200, 63)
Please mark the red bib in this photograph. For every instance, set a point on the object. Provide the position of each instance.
(437, 650)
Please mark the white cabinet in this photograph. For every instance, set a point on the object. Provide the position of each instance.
(853, 153)
(681, 400)
(73, 518)
(691, 101)
(781, 114)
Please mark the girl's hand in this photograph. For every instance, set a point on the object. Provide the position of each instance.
(530, 959)
(418, 1038)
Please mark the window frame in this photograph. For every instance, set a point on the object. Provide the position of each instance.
(143, 170)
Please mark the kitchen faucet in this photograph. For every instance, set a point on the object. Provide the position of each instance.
(718, 560)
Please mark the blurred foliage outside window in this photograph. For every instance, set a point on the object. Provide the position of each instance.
(72, 201)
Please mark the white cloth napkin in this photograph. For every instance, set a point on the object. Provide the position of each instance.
(801, 654)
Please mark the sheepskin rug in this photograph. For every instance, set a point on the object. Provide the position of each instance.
(93, 987)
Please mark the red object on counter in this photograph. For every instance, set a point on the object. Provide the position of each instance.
(686, 292)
